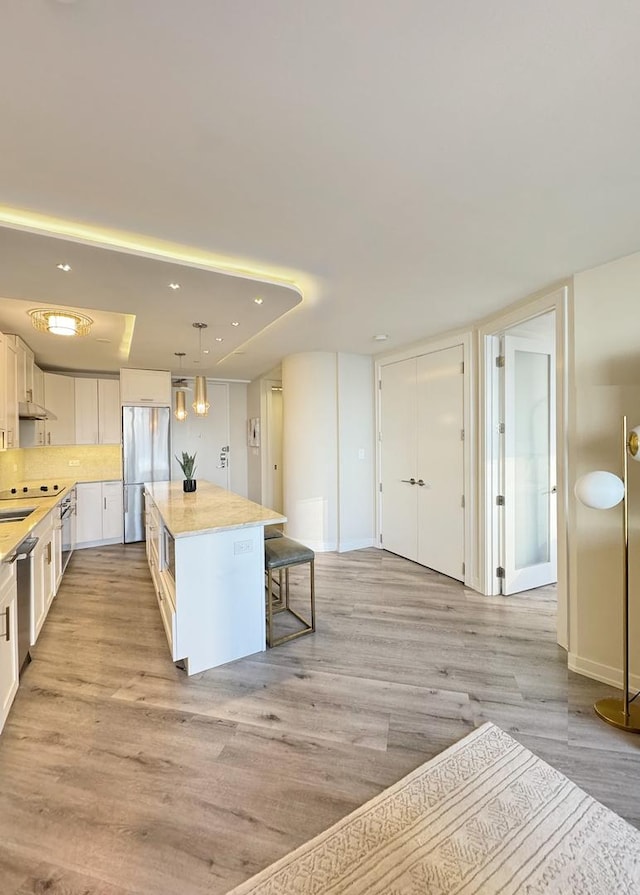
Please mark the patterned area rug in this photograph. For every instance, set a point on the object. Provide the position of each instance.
(485, 816)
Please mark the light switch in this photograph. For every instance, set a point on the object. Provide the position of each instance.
(361, 454)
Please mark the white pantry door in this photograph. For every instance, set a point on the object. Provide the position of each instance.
(398, 458)
(529, 464)
(440, 485)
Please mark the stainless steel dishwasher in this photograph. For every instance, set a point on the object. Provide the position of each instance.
(24, 576)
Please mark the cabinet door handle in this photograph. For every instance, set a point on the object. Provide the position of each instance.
(7, 618)
(105, 503)
(48, 437)
(49, 553)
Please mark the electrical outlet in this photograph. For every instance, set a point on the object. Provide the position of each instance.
(74, 463)
(243, 547)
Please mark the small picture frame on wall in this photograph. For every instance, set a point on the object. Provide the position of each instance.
(253, 432)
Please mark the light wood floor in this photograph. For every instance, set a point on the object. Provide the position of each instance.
(120, 775)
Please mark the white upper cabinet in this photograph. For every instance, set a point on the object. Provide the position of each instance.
(12, 439)
(24, 370)
(59, 398)
(3, 390)
(109, 413)
(151, 387)
(97, 411)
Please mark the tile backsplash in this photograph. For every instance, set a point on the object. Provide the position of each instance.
(90, 463)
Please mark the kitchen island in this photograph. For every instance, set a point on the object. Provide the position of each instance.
(206, 555)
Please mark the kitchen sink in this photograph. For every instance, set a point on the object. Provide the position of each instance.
(16, 515)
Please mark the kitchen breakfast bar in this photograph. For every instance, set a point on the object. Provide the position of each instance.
(206, 555)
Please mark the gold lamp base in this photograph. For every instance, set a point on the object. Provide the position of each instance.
(611, 710)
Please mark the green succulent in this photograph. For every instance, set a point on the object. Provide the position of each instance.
(187, 464)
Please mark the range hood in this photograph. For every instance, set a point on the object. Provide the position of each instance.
(27, 410)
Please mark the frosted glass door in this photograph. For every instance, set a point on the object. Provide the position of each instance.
(529, 465)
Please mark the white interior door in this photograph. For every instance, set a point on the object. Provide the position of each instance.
(208, 436)
(529, 464)
(398, 458)
(440, 488)
(273, 438)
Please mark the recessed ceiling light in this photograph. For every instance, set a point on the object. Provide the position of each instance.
(381, 337)
(65, 267)
(235, 323)
(258, 301)
(219, 339)
(174, 286)
(205, 351)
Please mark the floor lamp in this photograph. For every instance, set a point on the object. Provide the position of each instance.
(603, 490)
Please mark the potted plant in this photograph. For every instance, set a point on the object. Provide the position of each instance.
(188, 467)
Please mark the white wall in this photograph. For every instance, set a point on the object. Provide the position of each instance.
(310, 448)
(607, 385)
(356, 451)
(238, 437)
(254, 461)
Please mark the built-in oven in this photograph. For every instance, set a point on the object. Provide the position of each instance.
(68, 526)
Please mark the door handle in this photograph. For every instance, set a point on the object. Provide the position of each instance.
(421, 482)
(410, 481)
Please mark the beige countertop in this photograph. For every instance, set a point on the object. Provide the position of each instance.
(13, 533)
(209, 508)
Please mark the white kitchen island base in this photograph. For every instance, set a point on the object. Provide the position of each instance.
(206, 555)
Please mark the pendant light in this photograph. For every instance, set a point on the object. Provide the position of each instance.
(181, 399)
(200, 403)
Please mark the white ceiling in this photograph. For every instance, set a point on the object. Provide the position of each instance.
(419, 163)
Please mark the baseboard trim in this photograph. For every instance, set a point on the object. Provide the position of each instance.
(103, 543)
(357, 544)
(597, 671)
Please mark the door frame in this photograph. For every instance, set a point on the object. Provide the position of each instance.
(465, 340)
(557, 301)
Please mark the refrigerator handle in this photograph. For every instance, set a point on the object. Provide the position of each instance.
(126, 499)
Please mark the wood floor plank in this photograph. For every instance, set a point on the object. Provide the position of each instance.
(119, 775)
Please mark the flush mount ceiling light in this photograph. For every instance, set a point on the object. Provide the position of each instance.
(200, 403)
(60, 323)
(181, 398)
(65, 267)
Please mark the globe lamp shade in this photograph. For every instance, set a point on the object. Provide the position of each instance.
(600, 490)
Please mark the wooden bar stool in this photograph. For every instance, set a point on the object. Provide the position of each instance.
(282, 553)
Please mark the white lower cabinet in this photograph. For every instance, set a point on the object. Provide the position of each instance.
(99, 518)
(8, 640)
(44, 573)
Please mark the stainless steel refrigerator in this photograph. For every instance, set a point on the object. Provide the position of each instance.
(145, 456)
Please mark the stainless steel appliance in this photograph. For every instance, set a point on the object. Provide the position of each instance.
(24, 576)
(68, 526)
(145, 457)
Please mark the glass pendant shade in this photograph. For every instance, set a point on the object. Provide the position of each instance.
(600, 490)
(200, 403)
(181, 406)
